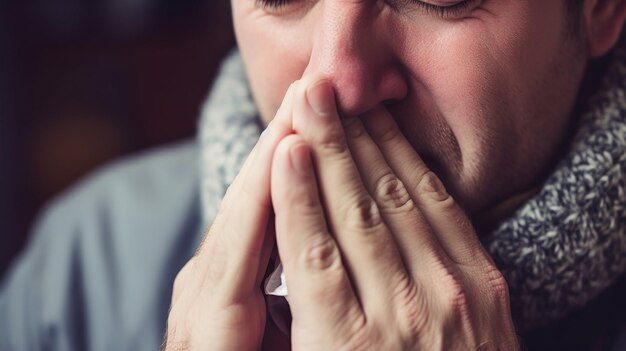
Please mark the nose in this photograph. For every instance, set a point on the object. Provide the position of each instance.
(352, 46)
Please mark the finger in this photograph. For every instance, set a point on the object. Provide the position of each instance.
(266, 250)
(234, 252)
(369, 250)
(448, 221)
(418, 246)
(320, 293)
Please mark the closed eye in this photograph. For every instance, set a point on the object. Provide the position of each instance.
(450, 10)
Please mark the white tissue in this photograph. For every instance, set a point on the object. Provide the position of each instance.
(275, 284)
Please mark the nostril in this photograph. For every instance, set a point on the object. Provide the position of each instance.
(357, 95)
(390, 103)
(350, 102)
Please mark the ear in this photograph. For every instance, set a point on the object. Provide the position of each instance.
(604, 20)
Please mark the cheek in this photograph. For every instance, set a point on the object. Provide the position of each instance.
(490, 80)
(484, 74)
(462, 84)
(274, 56)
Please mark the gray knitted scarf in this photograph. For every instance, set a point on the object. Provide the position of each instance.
(558, 251)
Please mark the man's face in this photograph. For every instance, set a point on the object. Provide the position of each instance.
(483, 90)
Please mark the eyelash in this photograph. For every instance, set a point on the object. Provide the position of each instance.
(451, 11)
(272, 4)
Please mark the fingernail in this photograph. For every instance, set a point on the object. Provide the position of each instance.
(321, 97)
(300, 158)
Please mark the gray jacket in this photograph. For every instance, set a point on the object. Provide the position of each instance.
(98, 270)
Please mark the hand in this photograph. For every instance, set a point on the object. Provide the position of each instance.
(217, 302)
(376, 254)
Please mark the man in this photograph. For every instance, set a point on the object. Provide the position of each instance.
(406, 121)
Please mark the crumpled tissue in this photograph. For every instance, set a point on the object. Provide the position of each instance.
(275, 284)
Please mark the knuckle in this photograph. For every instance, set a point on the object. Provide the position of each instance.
(391, 193)
(183, 277)
(497, 287)
(353, 128)
(333, 143)
(362, 214)
(391, 132)
(179, 283)
(431, 187)
(453, 297)
(412, 312)
(302, 202)
(322, 256)
(457, 301)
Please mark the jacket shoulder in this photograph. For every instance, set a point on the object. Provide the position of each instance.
(102, 257)
(134, 180)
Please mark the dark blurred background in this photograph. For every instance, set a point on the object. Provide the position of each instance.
(86, 81)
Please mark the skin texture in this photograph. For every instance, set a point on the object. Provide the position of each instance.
(484, 96)
(347, 178)
(377, 255)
